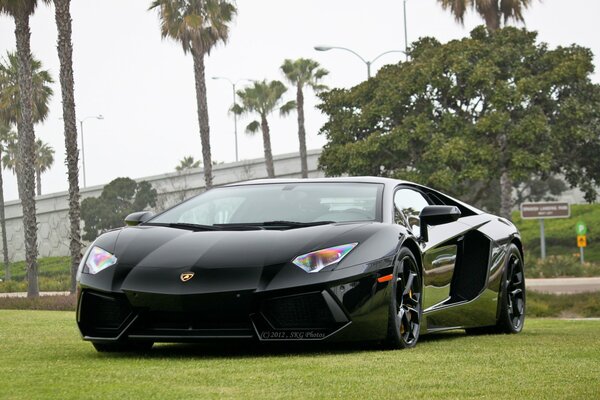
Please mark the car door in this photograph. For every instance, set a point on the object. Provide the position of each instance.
(439, 252)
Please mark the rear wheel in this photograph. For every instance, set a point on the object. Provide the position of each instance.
(404, 320)
(512, 312)
(122, 347)
(512, 297)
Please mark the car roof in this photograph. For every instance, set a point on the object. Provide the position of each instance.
(350, 179)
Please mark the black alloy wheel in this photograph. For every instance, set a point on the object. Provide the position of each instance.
(512, 314)
(404, 321)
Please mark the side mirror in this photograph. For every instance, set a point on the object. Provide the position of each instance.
(437, 215)
(137, 218)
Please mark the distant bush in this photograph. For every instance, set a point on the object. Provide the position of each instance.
(543, 305)
(53, 275)
(560, 266)
(52, 303)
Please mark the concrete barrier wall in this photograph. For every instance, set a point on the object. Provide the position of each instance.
(53, 209)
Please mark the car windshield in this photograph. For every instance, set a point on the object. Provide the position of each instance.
(305, 203)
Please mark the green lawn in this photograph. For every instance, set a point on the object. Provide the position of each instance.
(42, 357)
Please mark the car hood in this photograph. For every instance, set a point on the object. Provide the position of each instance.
(156, 246)
(150, 258)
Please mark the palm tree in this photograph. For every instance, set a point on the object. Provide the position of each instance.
(65, 56)
(6, 136)
(299, 73)
(44, 159)
(187, 163)
(9, 85)
(263, 98)
(9, 101)
(198, 25)
(492, 11)
(20, 11)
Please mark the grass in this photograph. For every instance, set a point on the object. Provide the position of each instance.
(42, 356)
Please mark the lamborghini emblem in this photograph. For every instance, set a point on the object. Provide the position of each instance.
(186, 276)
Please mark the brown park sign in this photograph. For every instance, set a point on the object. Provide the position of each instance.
(545, 210)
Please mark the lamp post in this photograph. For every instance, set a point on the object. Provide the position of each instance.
(367, 63)
(81, 121)
(233, 86)
(405, 33)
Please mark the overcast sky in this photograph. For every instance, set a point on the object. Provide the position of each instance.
(144, 86)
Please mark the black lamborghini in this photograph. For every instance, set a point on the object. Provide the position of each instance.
(303, 260)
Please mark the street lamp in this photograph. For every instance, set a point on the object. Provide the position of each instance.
(233, 86)
(405, 33)
(368, 63)
(81, 121)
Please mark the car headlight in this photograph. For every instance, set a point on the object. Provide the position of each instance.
(97, 260)
(317, 260)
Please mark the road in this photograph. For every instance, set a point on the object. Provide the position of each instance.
(24, 294)
(563, 285)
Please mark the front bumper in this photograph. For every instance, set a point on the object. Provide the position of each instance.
(355, 308)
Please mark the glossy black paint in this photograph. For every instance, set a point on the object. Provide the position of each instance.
(245, 285)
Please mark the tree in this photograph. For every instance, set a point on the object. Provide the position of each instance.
(492, 11)
(20, 11)
(9, 89)
(494, 109)
(263, 98)
(198, 25)
(187, 163)
(44, 159)
(9, 102)
(299, 73)
(62, 15)
(119, 198)
(6, 136)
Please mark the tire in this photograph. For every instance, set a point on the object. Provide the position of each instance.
(122, 347)
(511, 315)
(512, 297)
(406, 302)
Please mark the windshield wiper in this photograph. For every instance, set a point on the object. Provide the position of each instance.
(295, 224)
(200, 227)
(185, 225)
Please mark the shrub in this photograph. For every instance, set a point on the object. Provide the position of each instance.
(560, 266)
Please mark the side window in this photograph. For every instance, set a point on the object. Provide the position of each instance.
(408, 204)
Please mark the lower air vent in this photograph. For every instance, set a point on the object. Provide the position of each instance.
(305, 311)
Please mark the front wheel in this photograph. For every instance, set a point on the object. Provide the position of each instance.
(404, 321)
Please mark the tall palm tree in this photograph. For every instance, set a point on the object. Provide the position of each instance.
(20, 11)
(44, 159)
(62, 16)
(263, 98)
(198, 25)
(303, 72)
(9, 101)
(9, 89)
(6, 136)
(186, 163)
(492, 11)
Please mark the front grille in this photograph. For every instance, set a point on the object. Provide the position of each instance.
(305, 311)
(100, 313)
(168, 320)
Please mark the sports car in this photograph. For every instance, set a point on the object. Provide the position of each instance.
(331, 259)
